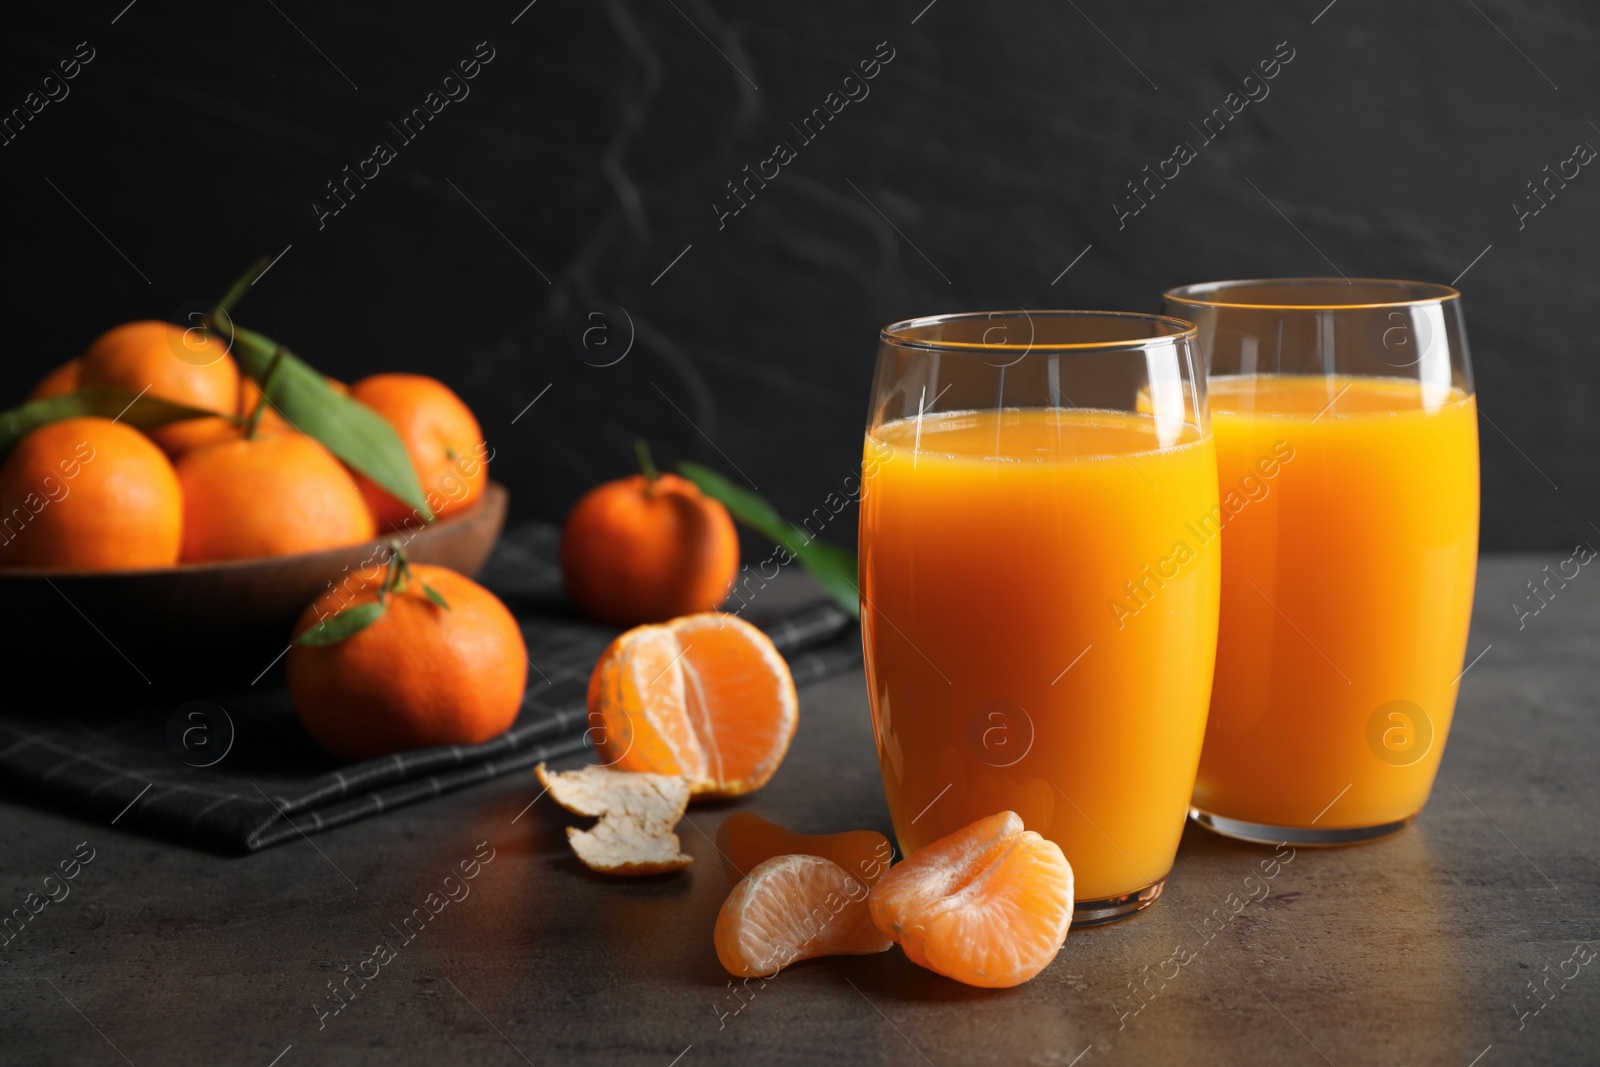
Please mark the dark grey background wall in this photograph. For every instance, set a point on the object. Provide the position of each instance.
(586, 162)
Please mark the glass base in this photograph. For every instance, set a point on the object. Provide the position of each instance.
(1263, 834)
(1110, 909)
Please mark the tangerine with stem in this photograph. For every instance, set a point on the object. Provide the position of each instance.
(440, 661)
(648, 548)
(267, 494)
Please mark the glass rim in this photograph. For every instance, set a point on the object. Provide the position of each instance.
(898, 333)
(1196, 295)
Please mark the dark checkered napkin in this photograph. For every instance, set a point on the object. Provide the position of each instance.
(272, 784)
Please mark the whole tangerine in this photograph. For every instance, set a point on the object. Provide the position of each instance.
(419, 675)
(184, 366)
(648, 548)
(274, 494)
(441, 436)
(91, 494)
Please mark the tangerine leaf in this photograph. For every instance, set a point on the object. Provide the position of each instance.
(749, 508)
(346, 623)
(433, 595)
(139, 410)
(833, 567)
(348, 428)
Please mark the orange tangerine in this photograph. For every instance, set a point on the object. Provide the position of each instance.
(274, 494)
(185, 366)
(441, 437)
(89, 493)
(421, 675)
(647, 548)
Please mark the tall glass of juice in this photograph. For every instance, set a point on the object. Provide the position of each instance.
(1024, 473)
(1347, 456)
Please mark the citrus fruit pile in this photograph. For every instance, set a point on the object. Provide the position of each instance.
(225, 474)
(161, 445)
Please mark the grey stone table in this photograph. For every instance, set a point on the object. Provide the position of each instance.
(1456, 943)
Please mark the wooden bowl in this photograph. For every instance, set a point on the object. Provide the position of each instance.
(198, 628)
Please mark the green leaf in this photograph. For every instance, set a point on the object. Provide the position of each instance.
(433, 595)
(834, 568)
(349, 429)
(747, 507)
(347, 623)
(141, 411)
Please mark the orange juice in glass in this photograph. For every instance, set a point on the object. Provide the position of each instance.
(1039, 617)
(1347, 455)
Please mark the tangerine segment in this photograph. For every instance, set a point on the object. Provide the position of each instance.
(794, 908)
(988, 905)
(636, 670)
(706, 697)
(745, 840)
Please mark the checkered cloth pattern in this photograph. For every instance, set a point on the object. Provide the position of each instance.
(274, 785)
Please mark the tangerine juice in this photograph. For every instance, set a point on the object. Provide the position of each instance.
(1346, 589)
(1039, 619)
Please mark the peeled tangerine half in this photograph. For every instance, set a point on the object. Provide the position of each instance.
(706, 697)
(793, 908)
(989, 905)
(745, 840)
